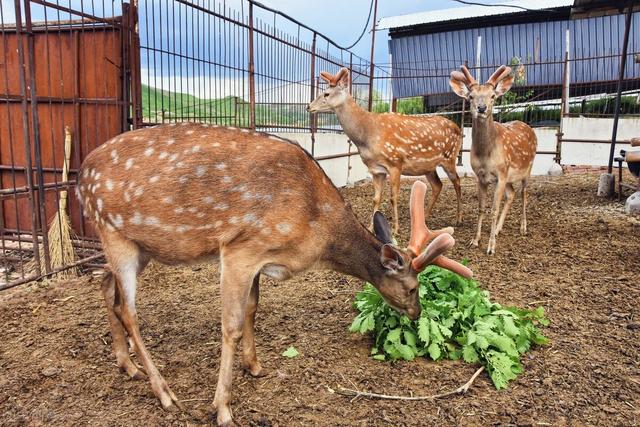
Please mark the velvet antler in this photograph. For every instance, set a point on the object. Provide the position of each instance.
(467, 74)
(441, 240)
(502, 72)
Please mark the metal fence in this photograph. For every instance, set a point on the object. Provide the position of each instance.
(99, 68)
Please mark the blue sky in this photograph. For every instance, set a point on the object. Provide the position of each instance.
(342, 20)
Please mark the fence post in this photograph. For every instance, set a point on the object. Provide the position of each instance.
(373, 46)
(28, 170)
(134, 63)
(35, 123)
(564, 106)
(252, 78)
(313, 117)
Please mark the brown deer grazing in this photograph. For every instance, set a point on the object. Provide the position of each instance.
(501, 152)
(257, 203)
(394, 144)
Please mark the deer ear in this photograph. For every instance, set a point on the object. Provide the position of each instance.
(504, 85)
(457, 83)
(391, 257)
(381, 227)
(342, 78)
(326, 76)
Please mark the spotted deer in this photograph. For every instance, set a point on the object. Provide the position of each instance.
(258, 204)
(500, 152)
(394, 144)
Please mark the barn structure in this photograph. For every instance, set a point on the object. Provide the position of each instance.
(534, 36)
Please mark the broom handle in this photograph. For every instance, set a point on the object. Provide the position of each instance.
(65, 166)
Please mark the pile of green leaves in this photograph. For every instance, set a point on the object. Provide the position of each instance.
(458, 321)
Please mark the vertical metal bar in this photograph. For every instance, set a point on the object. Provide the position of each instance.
(252, 78)
(478, 50)
(36, 136)
(313, 117)
(134, 52)
(623, 63)
(27, 137)
(373, 47)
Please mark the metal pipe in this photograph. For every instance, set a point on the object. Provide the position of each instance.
(26, 133)
(252, 80)
(623, 63)
(371, 58)
(313, 117)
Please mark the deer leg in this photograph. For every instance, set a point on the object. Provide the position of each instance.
(119, 343)
(525, 196)
(249, 358)
(509, 195)
(455, 180)
(495, 212)
(482, 197)
(126, 263)
(394, 177)
(436, 188)
(235, 287)
(378, 186)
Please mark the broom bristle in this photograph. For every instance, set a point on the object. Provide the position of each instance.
(61, 250)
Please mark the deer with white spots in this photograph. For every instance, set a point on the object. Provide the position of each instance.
(501, 153)
(394, 144)
(258, 204)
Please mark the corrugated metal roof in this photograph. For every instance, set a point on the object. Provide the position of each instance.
(467, 12)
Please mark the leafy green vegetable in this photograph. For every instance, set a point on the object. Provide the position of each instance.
(458, 321)
(291, 352)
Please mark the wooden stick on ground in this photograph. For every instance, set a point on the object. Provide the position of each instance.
(460, 390)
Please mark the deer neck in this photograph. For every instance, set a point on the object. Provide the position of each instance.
(355, 251)
(355, 121)
(483, 135)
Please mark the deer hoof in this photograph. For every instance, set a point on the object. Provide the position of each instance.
(256, 370)
(473, 243)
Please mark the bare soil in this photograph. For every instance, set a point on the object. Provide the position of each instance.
(580, 261)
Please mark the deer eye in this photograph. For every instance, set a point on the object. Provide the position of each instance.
(470, 96)
(326, 94)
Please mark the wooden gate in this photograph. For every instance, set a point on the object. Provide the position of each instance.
(56, 74)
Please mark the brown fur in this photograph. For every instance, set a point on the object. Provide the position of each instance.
(395, 144)
(501, 153)
(258, 203)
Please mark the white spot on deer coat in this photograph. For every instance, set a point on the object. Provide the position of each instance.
(221, 166)
(138, 191)
(154, 178)
(201, 170)
(128, 164)
(183, 179)
(136, 219)
(283, 227)
(109, 184)
(163, 155)
(171, 141)
(99, 204)
(149, 151)
(179, 210)
(208, 200)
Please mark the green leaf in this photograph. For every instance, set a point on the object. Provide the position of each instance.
(394, 335)
(355, 325)
(469, 354)
(410, 338)
(423, 330)
(379, 357)
(501, 368)
(368, 324)
(291, 352)
(510, 327)
(405, 351)
(434, 351)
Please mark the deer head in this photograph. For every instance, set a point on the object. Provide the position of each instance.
(399, 286)
(336, 93)
(481, 97)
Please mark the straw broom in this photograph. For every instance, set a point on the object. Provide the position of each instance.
(61, 250)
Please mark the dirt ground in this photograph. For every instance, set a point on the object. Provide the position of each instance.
(580, 261)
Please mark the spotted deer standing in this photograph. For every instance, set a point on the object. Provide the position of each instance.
(394, 144)
(258, 204)
(500, 152)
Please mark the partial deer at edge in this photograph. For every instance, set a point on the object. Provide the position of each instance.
(500, 152)
(394, 144)
(260, 204)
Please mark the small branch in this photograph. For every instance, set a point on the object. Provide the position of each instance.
(460, 390)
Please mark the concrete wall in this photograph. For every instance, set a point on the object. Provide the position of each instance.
(347, 170)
